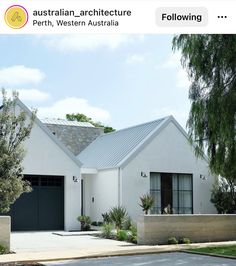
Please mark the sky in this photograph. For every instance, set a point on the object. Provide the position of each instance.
(119, 80)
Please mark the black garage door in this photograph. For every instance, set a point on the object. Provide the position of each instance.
(41, 209)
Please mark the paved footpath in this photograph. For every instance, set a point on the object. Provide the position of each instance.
(119, 249)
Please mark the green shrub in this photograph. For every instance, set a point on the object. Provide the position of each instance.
(118, 215)
(222, 198)
(100, 223)
(94, 223)
(107, 230)
(127, 224)
(134, 239)
(85, 222)
(122, 235)
(2, 250)
(172, 241)
(184, 240)
(133, 230)
(147, 202)
(106, 218)
(132, 236)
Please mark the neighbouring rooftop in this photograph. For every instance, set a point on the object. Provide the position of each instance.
(64, 122)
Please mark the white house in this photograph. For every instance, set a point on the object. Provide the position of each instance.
(155, 158)
(115, 169)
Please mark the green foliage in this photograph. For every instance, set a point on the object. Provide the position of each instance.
(211, 65)
(127, 223)
(107, 230)
(222, 198)
(147, 202)
(133, 230)
(223, 251)
(94, 223)
(106, 218)
(133, 234)
(83, 118)
(2, 250)
(118, 215)
(15, 128)
(122, 235)
(85, 222)
(172, 241)
(184, 240)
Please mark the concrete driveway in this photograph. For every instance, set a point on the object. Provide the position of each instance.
(30, 242)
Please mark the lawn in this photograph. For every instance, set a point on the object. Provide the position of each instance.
(227, 250)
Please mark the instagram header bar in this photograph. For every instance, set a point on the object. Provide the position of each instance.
(142, 17)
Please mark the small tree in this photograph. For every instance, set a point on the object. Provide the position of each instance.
(15, 128)
(147, 202)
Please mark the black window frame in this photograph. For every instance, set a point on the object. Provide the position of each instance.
(178, 190)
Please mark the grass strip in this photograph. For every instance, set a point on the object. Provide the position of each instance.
(221, 250)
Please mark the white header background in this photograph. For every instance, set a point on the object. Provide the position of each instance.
(142, 20)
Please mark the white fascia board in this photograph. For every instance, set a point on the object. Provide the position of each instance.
(88, 171)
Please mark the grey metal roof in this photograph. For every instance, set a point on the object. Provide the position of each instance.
(65, 122)
(111, 150)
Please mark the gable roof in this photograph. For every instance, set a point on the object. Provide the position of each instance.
(116, 149)
(49, 133)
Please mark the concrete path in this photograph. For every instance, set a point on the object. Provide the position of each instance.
(31, 242)
(167, 259)
(46, 246)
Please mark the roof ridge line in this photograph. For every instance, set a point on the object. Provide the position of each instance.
(142, 124)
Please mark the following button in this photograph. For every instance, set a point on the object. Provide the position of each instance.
(181, 16)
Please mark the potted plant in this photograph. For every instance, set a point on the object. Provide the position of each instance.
(85, 222)
(147, 202)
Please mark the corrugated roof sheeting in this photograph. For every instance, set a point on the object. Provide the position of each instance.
(65, 122)
(109, 150)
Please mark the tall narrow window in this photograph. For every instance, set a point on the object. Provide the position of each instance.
(155, 191)
(185, 194)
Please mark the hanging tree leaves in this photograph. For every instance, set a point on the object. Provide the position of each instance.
(15, 128)
(210, 61)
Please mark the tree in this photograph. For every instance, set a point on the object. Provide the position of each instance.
(210, 62)
(15, 128)
(83, 118)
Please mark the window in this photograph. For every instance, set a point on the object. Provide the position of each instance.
(155, 191)
(177, 192)
(182, 193)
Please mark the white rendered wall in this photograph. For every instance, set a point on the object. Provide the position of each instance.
(169, 152)
(44, 157)
(103, 187)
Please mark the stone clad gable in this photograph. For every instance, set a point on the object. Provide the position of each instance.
(75, 138)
